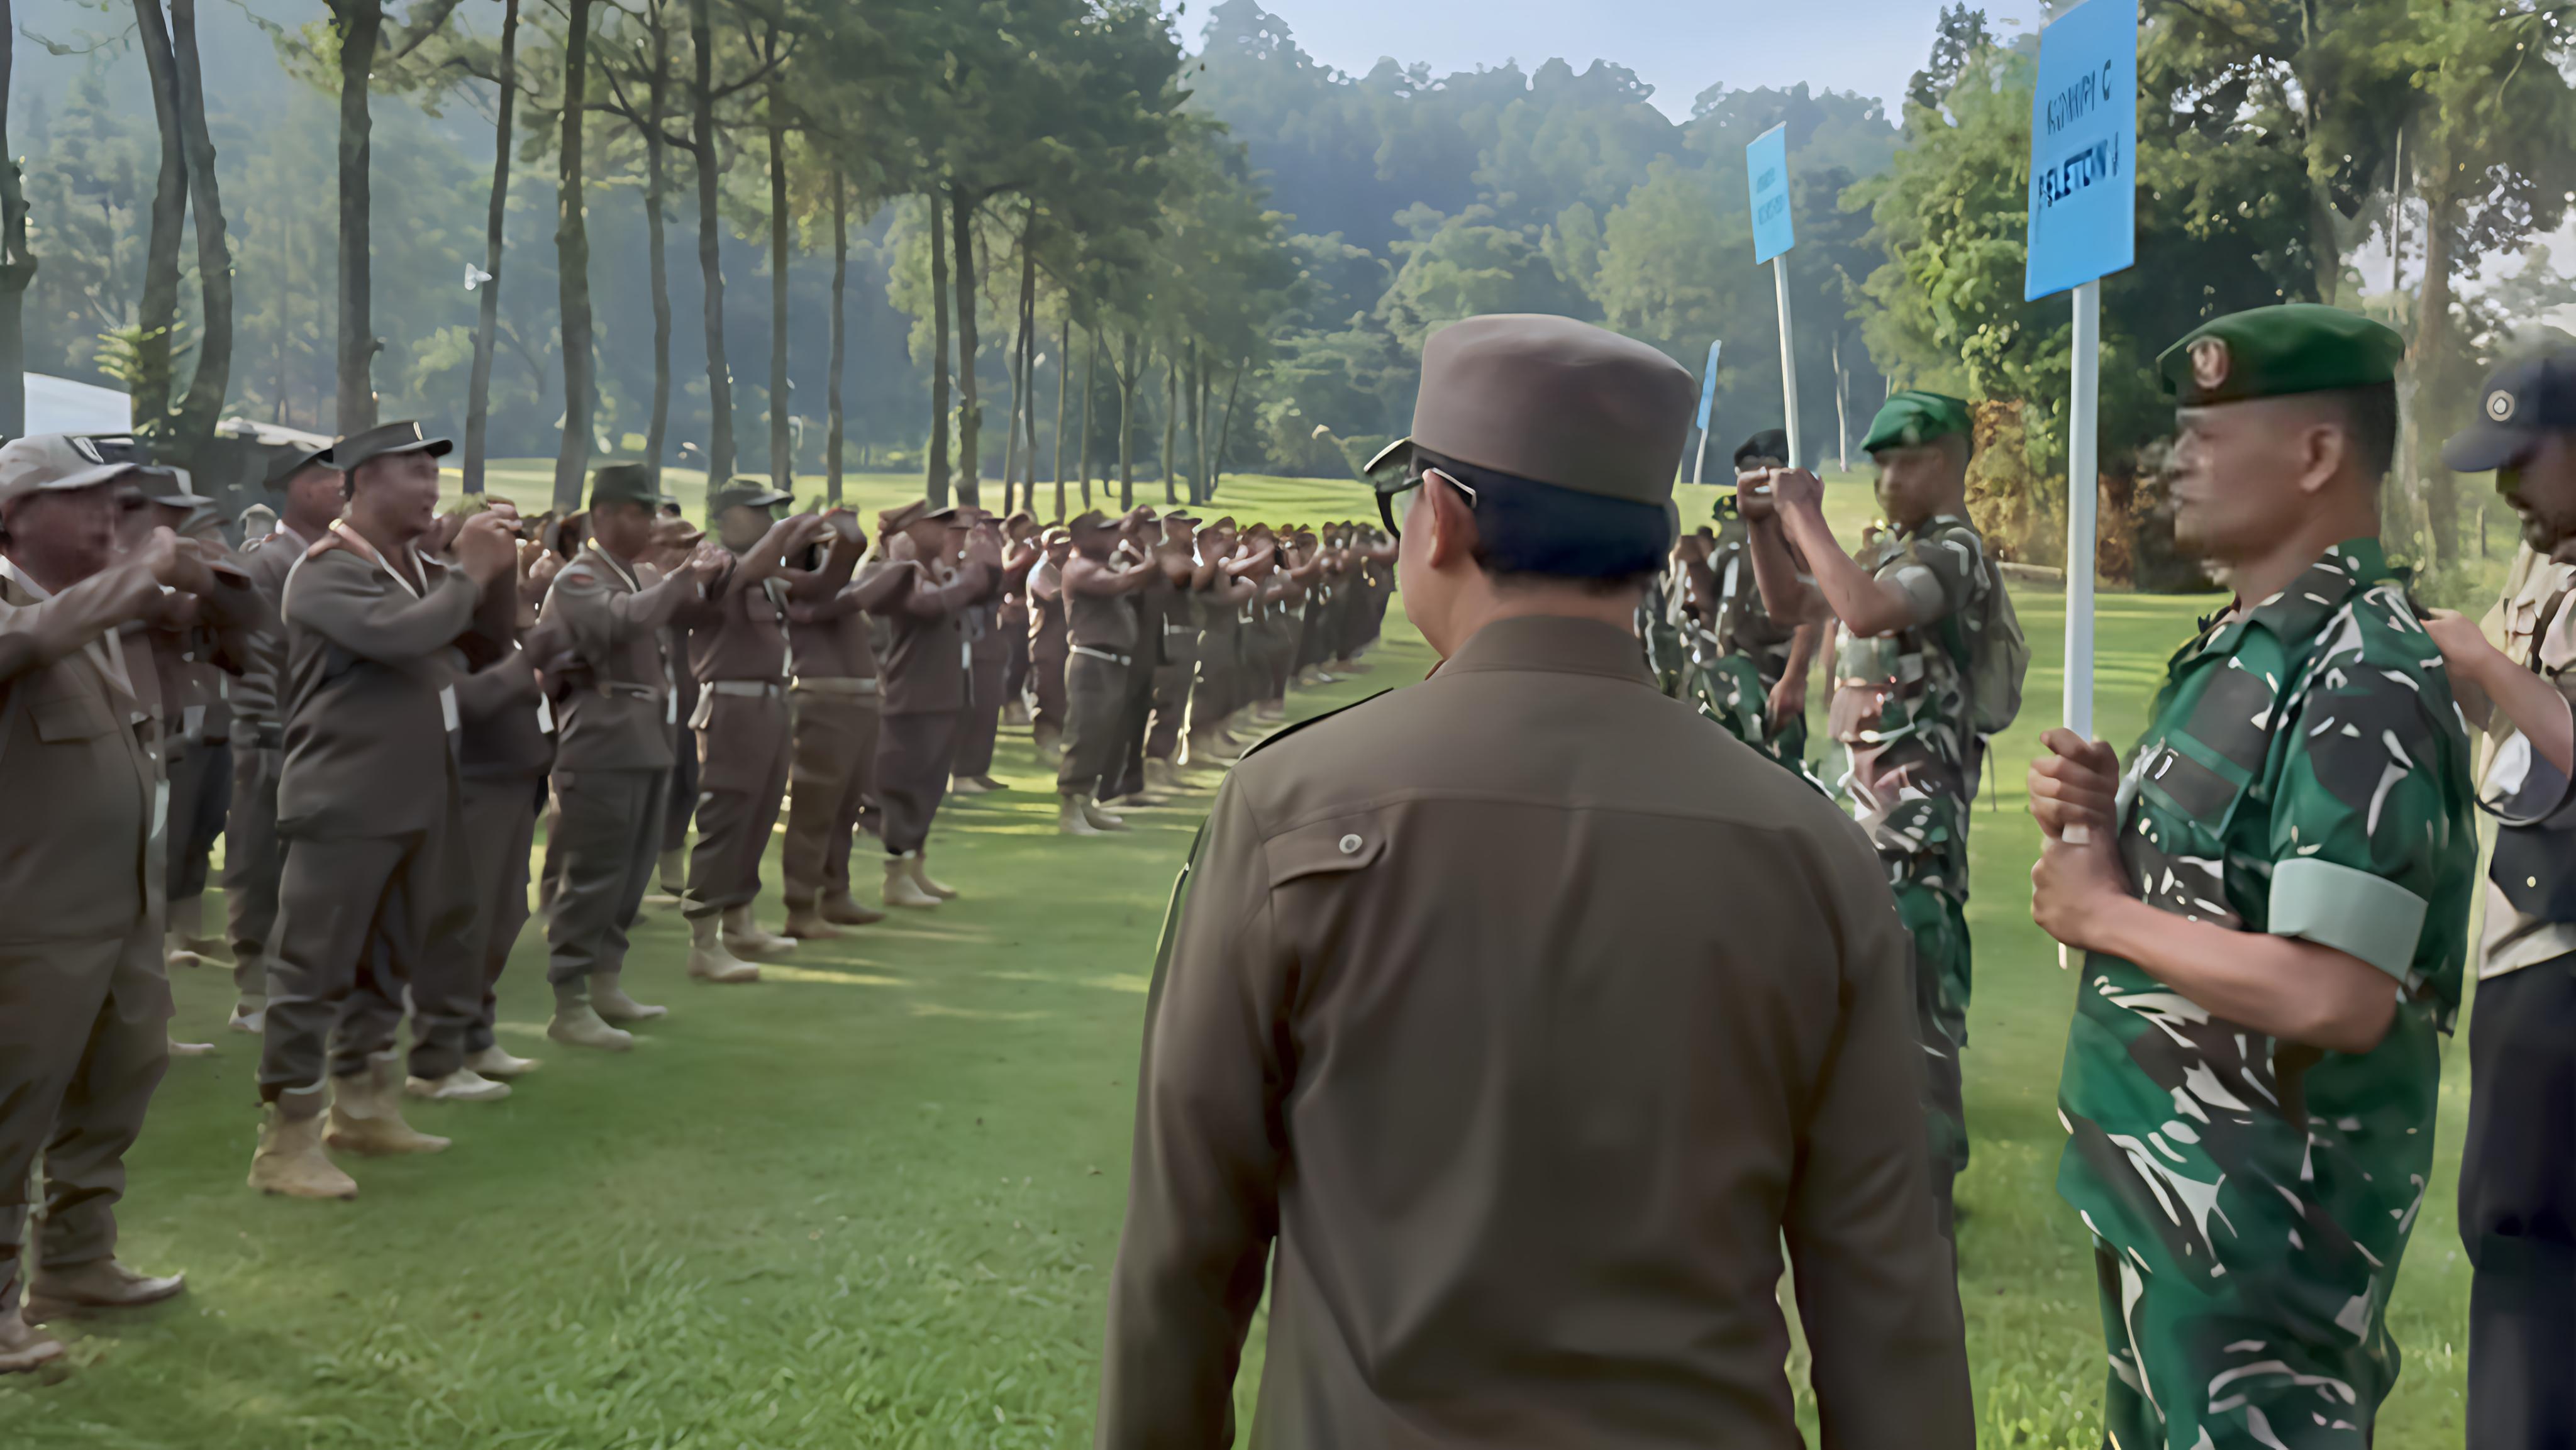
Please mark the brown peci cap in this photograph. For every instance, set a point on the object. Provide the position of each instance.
(1554, 401)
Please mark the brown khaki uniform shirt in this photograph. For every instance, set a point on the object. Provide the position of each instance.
(606, 628)
(925, 663)
(1530, 1013)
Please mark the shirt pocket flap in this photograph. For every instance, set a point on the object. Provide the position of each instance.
(1325, 848)
(67, 717)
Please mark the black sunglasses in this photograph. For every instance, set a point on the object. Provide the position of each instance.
(1386, 500)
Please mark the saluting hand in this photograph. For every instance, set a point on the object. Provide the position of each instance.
(485, 548)
(2074, 790)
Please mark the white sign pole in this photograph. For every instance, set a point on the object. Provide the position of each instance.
(1788, 357)
(2083, 484)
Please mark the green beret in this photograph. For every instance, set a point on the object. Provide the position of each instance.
(2268, 352)
(1913, 418)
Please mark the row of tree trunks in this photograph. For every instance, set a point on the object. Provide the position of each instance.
(572, 263)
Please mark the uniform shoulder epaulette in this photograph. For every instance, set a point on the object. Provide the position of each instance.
(1284, 731)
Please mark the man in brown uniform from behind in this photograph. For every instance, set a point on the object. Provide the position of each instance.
(989, 655)
(84, 998)
(307, 487)
(1177, 555)
(601, 640)
(1048, 647)
(738, 651)
(369, 803)
(1529, 1015)
(924, 674)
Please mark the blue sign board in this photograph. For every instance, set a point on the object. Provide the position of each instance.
(1766, 170)
(1708, 386)
(2084, 149)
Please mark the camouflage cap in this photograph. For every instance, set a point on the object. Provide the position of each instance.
(626, 483)
(2271, 352)
(744, 490)
(1912, 417)
(49, 462)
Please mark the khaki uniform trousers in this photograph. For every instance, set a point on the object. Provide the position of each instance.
(1095, 712)
(983, 725)
(1171, 701)
(201, 792)
(500, 830)
(355, 922)
(1046, 682)
(743, 753)
(84, 1038)
(611, 833)
(254, 854)
(915, 752)
(834, 771)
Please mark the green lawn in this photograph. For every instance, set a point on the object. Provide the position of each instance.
(871, 1202)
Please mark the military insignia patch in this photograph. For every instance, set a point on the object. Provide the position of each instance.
(2210, 362)
(2500, 406)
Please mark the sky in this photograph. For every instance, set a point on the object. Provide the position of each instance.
(1680, 47)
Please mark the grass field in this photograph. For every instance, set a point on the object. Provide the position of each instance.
(872, 1201)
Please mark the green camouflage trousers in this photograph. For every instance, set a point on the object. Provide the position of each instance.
(2199, 1371)
(1729, 690)
(1939, 926)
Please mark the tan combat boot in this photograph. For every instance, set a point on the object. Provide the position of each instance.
(608, 998)
(577, 1023)
(709, 960)
(1069, 817)
(966, 785)
(366, 1114)
(744, 936)
(24, 1347)
(496, 1062)
(250, 1014)
(922, 878)
(841, 909)
(901, 889)
(1101, 818)
(56, 1290)
(464, 1085)
(673, 878)
(1050, 744)
(290, 1159)
(805, 920)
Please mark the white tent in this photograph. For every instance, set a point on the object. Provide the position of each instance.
(59, 405)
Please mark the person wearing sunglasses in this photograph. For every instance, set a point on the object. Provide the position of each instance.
(1510, 1023)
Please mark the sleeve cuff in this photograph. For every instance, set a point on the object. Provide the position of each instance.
(2354, 912)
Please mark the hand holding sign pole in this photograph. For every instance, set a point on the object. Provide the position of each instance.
(2083, 226)
(1766, 172)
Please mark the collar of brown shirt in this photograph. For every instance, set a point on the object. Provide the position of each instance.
(1556, 643)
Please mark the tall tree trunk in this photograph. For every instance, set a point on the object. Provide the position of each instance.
(17, 268)
(1128, 377)
(572, 265)
(1171, 424)
(1225, 430)
(158, 314)
(1029, 360)
(2432, 360)
(487, 316)
(1019, 387)
(782, 437)
(657, 247)
(1090, 391)
(361, 23)
(970, 413)
(1063, 375)
(702, 142)
(840, 327)
(934, 484)
(1198, 425)
(212, 379)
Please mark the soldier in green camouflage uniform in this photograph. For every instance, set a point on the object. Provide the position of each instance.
(1736, 654)
(2248, 1144)
(1911, 607)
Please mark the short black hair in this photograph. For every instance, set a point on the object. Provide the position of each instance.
(1532, 532)
(2370, 417)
